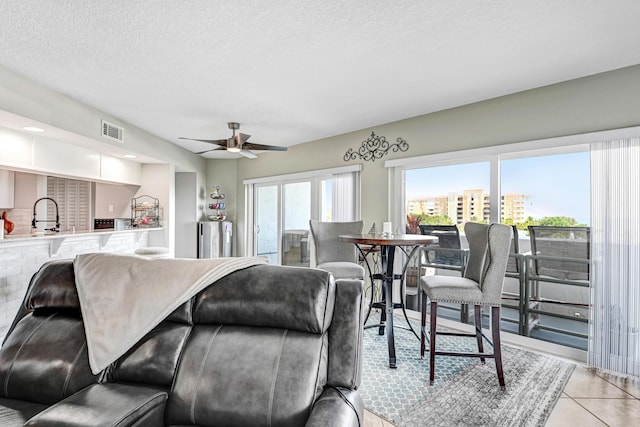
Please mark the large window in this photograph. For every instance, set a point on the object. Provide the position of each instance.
(452, 194)
(547, 189)
(523, 187)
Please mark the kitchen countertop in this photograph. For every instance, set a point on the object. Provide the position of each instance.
(65, 234)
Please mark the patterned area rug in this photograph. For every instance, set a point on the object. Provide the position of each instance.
(465, 392)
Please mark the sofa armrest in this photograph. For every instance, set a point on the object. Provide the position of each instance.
(106, 405)
(337, 407)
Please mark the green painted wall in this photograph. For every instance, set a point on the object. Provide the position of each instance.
(604, 101)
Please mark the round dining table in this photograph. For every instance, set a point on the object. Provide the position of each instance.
(409, 244)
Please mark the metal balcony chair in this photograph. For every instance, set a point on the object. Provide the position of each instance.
(336, 257)
(481, 285)
(447, 254)
(561, 256)
(515, 270)
(514, 266)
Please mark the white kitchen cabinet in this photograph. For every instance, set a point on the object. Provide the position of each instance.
(6, 189)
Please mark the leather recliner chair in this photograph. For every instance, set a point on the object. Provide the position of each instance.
(266, 345)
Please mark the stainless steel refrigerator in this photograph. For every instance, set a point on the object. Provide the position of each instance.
(214, 239)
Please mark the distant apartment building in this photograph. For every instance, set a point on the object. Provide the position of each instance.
(471, 205)
(512, 206)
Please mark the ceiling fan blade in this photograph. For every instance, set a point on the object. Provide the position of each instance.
(252, 146)
(243, 137)
(248, 154)
(206, 151)
(220, 142)
(237, 143)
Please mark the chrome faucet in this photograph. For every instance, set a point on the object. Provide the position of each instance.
(34, 220)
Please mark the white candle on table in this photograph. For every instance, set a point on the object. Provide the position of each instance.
(386, 228)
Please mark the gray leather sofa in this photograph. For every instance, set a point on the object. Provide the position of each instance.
(266, 345)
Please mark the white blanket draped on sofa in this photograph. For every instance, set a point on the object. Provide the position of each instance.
(123, 297)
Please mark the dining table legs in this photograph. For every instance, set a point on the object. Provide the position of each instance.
(386, 315)
(408, 244)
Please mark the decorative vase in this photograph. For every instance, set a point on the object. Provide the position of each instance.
(8, 225)
(373, 229)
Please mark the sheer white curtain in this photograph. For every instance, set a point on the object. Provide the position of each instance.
(614, 341)
(344, 196)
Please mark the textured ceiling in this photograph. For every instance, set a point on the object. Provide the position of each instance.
(295, 71)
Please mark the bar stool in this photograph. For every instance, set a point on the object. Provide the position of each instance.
(481, 285)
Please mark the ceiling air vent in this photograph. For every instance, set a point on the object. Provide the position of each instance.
(111, 131)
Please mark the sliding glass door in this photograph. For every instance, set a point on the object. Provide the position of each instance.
(266, 222)
(280, 208)
(548, 187)
(295, 215)
(282, 213)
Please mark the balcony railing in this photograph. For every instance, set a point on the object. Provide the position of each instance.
(544, 297)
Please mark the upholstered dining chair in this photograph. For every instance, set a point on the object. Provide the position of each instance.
(480, 285)
(332, 255)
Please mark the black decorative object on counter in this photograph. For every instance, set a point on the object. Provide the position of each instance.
(375, 147)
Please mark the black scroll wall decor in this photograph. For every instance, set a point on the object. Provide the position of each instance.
(375, 147)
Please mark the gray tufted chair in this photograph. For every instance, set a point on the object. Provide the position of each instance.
(336, 257)
(480, 285)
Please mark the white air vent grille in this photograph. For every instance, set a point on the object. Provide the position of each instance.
(111, 131)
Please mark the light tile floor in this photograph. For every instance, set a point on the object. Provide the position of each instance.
(588, 400)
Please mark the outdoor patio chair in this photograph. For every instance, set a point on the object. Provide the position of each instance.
(336, 257)
(560, 256)
(481, 285)
(514, 265)
(515, 270)
(447, 254)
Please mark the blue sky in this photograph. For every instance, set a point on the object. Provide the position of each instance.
(557, 185)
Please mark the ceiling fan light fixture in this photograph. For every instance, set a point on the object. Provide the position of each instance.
(234, 144)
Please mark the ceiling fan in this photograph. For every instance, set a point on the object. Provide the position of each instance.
(237, 143)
